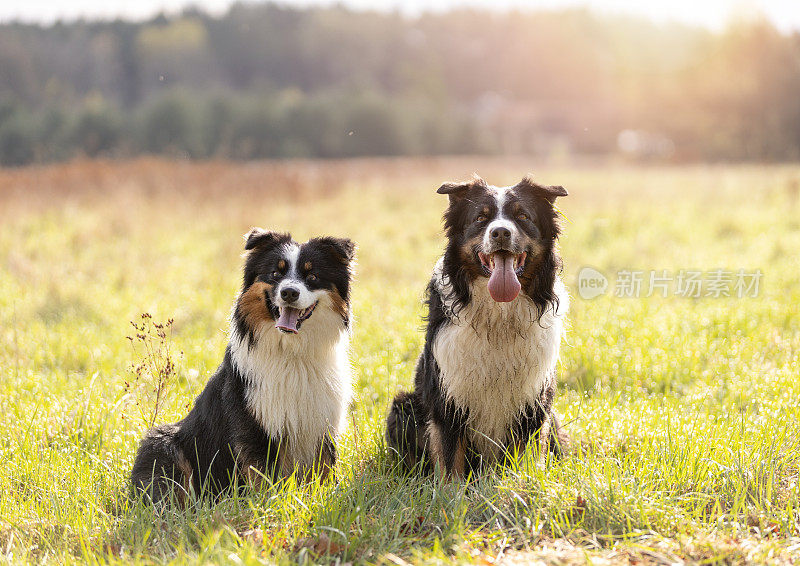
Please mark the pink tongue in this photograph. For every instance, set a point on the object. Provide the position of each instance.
(503, 283)
(288, 319)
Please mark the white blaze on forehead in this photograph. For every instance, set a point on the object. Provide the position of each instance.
(291, 254)
(307, 296)
(500, 195)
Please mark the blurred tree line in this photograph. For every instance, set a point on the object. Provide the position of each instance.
(264, 80)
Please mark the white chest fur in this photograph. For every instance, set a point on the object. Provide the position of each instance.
(299, 385)
(494, 358)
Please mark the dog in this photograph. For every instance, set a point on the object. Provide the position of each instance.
(278, 400)
(486, 378)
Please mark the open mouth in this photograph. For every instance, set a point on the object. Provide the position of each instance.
(489, 261)
(291, 319)
(503, 269)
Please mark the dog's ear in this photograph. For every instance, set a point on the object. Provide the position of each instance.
(343, 249)
(454, 188)
(457, 191)
(258, 237)
(547, 192)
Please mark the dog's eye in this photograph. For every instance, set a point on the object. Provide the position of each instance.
(522, 216)
(481, 218)
(311, 277)
(276, 274)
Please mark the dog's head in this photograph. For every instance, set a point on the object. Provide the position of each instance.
(504, 234)
(286, 283)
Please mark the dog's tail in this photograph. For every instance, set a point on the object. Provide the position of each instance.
(161, 470)
(405, 429)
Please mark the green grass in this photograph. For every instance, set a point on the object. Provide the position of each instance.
(683, 411)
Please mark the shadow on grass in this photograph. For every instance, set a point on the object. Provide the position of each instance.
(371, 511)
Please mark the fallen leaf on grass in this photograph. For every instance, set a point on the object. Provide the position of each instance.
(771, 528)
(255, 536)
(483, 560)
(394, 559)
(321, 544)
(113, 549)
(578, 509)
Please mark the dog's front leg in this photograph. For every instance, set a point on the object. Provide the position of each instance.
(446, 442)
(257, 464)
(252, 471)
(540, 426)
(327, 458)
(253, 476)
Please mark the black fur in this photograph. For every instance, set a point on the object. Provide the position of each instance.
(220, 443)
(207, 441)
(412, 413)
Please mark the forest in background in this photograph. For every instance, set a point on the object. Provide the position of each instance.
(269, 81)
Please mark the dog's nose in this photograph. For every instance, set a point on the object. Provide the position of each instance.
(501, 234)
(290, 294)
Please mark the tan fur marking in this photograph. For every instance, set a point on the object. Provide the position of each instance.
(468, 260)
(435, 446)
(339, 306)
(544, 439)
(437, 450)
(307, 266)
(535, 257)
(253, 306)
(460, 461)
(248, 469)
(185, 469)
(282, 264)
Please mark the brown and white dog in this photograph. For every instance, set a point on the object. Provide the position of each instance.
(279, 398)
(486, 378)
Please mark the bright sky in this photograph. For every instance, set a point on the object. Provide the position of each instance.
(713, 14)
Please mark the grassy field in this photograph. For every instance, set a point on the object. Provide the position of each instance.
(684, 411)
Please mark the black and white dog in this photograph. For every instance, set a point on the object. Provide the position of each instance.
(279, 399)
(486, 378)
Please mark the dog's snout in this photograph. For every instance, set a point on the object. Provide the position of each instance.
(501, 234)
(290, 294)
